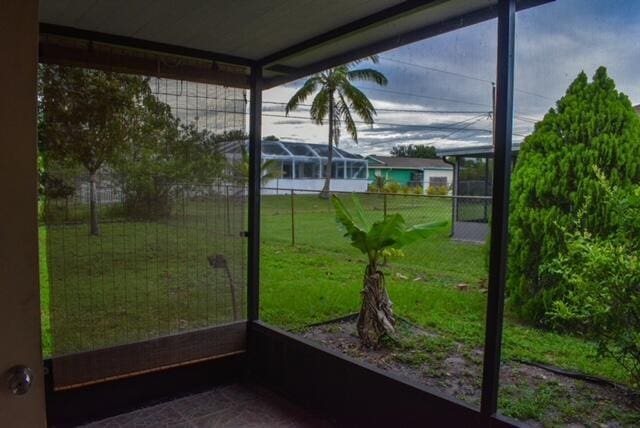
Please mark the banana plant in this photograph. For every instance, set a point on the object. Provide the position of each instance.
(372, 239)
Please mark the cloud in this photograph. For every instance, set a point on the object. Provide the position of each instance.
(554, 42)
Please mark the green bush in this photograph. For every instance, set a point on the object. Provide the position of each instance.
(437, 191)
(407, 190)
(392, 187)
(592, 125)
(602, 274)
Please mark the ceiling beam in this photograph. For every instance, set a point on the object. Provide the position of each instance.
(387, 14)
(412, 36)
(129, 42)
(149, 65)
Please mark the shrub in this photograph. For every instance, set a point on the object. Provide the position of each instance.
(392, 187)
(418, 190)
(602, 274)
(407, 190)
(437, 190)
(593, 124)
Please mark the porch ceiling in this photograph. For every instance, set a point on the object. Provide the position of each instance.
(290, 38)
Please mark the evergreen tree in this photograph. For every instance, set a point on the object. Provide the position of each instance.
(593, 128)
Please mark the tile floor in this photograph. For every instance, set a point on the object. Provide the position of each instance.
(236, 405)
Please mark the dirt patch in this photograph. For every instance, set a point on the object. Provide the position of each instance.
(532, 394)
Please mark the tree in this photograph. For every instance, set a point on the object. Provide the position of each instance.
(89, 116)
(414, 151)
(374, 240)
(336, 99)
(603, 273)
(167, 157)
(592, 125)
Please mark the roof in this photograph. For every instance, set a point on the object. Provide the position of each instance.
(485, 150)
(290, 149)
(288, 39)
(637, 108)
(407, 163)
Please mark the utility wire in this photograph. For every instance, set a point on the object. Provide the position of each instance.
(465, 76)
(393, 110)
(435, 127)
(409, 94)
(477, 118)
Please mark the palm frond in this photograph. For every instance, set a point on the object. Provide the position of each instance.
(373, 58)
(359, 102)
(368, 75)
(302, 94)
(345, 111)
(320, 106)
(270, 170)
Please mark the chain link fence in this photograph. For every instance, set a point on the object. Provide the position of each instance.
(454, 251)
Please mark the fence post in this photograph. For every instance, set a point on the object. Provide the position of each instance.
(384, 205)
(293, 219)
(228, 211)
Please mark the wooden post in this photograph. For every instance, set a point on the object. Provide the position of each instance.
(228, 210)
(384, 206)
(293, 219)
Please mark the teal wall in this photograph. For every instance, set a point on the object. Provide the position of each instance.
(402, 176)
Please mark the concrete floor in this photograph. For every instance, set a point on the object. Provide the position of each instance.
(236, 405)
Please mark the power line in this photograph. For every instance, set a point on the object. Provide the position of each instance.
(392, 110)
(522, 118)
(409, 94)
(464, 127)
(465, 76)
(436, 69)
(417, 126)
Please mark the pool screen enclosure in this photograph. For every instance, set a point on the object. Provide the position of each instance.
(197, 45)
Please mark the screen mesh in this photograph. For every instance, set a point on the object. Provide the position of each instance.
(142, 222)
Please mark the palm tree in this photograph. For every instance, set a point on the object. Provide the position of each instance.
(269, 170)
(336, 99)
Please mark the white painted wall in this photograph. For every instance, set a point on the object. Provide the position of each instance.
(284, 186)
(433, 172)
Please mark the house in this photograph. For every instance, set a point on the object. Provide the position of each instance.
(410, 171)
(301, 167)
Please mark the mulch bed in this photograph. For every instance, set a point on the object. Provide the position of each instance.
(536, 395)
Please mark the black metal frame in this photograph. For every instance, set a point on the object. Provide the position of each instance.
(500, 207)
(505, 11)
(277, 357)
(386, 44)
(255, 161)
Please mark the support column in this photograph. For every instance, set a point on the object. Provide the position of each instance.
(255, 159)
(20, 339)
(500, 207)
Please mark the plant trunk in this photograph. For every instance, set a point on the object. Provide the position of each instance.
(326, 189)
(93, 205)
(376, 315)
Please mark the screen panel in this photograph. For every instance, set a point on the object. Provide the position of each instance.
(143, 221)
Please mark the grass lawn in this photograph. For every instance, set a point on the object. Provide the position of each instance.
(140, 280)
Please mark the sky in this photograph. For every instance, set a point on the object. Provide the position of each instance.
(447, 79)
